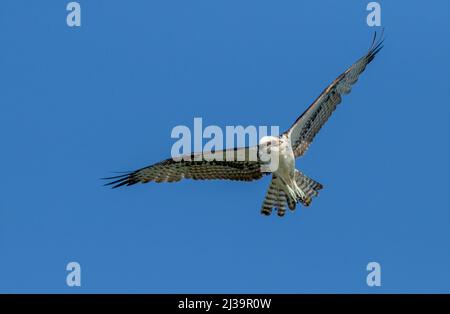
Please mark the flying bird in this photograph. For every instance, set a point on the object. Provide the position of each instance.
(288, 186)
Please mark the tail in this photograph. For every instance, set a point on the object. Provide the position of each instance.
(277, 199)
(309, 186)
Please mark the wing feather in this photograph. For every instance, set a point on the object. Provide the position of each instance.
(239, 164)
(305, 128)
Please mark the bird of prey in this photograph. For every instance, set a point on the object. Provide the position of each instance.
(288, 186)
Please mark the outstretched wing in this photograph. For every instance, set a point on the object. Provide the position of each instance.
(240, 164)
(302, 132)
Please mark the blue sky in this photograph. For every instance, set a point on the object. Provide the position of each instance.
(79, 103)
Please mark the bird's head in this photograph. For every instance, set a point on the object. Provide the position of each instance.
(269, 144)
(269, 151)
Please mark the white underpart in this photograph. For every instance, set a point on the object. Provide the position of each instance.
(281, 148)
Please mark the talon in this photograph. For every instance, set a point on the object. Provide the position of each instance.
(307, 201)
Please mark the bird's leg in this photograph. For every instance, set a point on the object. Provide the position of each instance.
(298, 191)
(292, 193)
(288, 190)
(301, 195)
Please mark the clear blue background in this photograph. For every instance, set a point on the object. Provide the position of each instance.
(79, 103)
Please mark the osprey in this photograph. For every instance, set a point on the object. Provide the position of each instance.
(288, 186)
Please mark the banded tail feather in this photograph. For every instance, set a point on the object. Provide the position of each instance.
(277, 199)
(309, 186)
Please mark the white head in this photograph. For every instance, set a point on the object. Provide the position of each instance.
(269, 151)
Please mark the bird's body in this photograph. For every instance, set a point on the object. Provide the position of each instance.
(288, 185)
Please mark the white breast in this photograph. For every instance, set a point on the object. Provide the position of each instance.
(286, 167)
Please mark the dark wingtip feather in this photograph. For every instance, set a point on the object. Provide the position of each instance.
(124, 179)
(376, 46)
